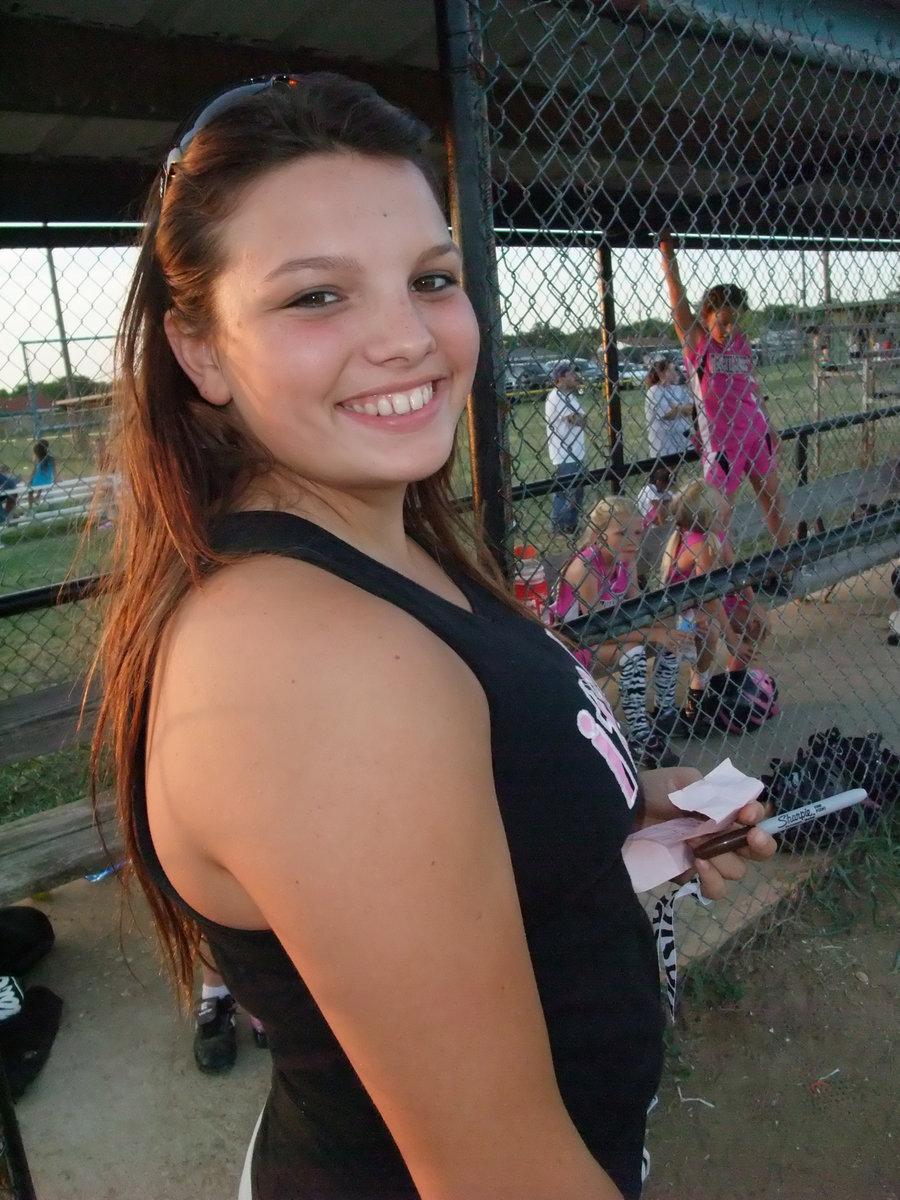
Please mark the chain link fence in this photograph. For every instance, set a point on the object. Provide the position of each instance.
(583, 132)
(58, 314)
(767, 155)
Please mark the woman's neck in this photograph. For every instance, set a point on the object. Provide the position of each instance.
(371, 520)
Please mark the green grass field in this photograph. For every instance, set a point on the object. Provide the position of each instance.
(42, 783)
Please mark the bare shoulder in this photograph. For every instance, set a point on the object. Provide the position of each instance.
(276, 671)
(267, 615)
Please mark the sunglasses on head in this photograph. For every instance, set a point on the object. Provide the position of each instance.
(209, 110)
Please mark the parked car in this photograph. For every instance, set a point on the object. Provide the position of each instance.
(587, 371)
(632, 374)
(532, 375)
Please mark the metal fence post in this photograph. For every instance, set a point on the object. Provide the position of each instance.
(32, 398)
(611, 367)
(468, 155)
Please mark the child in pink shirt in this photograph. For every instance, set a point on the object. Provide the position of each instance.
(601, 575)
(737, 436)
(698, 545)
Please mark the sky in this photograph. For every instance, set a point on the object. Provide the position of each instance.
(92, 283)
(554, 286)
(562, 286)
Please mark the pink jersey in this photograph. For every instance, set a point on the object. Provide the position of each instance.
(733, 428)
(722, 380)
(612, 585)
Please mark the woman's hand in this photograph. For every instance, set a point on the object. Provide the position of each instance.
(756, 623)
(747, 627)
(743, 654)
(657, 786)
(714, 873)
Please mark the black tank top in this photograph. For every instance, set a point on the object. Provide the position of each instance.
(566, 789)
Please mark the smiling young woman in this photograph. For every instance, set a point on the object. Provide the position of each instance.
(320, 708)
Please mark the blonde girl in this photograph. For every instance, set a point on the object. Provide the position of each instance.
(603, 573)
(698, 544)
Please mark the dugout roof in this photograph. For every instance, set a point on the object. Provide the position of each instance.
(91, 91)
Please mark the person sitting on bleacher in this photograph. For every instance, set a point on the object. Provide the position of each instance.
(654, 500)
(9, 493)
(601, 574)
(44, 472)
(698, 545)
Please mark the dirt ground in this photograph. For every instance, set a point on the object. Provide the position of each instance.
(789, 1090)
(120, 1111)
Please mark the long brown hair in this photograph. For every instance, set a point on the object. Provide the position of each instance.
(183, 462)
(657, 371)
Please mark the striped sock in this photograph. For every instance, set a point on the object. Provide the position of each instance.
(633, 692)
(665, 680)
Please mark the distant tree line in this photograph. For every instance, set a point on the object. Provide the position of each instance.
(59, 389)
(587, 342)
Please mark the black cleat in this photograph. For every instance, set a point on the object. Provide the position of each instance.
(215, 1040)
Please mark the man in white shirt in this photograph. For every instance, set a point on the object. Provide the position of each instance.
(566, 446)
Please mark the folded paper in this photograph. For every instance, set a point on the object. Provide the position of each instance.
(660, 852)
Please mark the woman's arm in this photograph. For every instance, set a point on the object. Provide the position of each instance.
(669, 408)
(686, 325)
(324, 769)
(683, 408)
(678, 410)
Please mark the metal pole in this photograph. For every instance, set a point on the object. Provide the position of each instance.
(803, 277)
(826, 278)
(868, 403)
(32, 399)
(817, 399)
(469, 167)
(611, 366)
(63, 341)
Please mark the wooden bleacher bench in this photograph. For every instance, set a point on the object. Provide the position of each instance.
(833, 499)
(50, 848)
(44, 722)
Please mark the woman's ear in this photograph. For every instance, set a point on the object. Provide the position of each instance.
(197, 358)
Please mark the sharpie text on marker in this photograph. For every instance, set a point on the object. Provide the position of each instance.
(733, 839)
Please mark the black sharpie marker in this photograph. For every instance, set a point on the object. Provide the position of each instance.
(733, 839)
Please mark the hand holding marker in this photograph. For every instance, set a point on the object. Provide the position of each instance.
(733, 839)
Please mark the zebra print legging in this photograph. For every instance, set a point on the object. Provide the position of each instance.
(633, 687)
